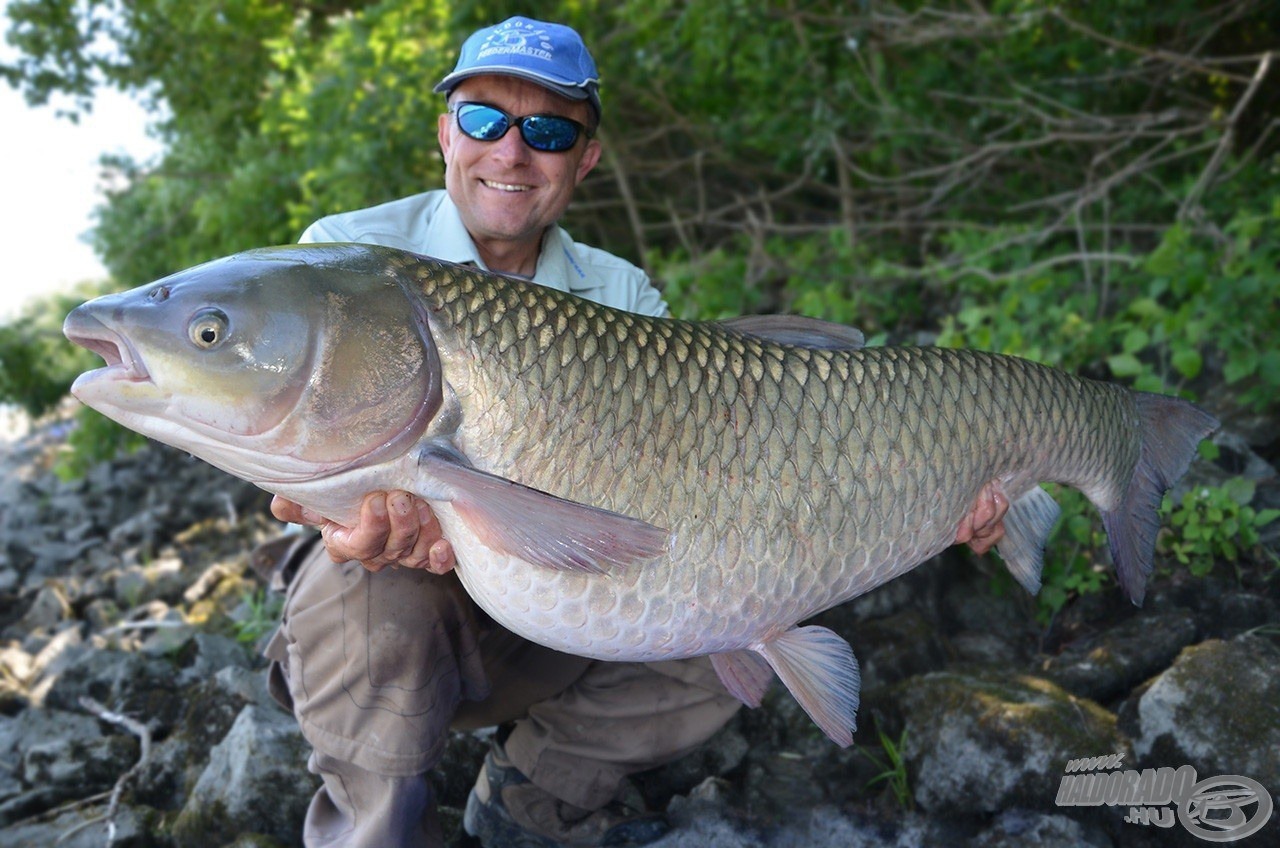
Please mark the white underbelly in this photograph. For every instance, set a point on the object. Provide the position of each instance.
(624, 616)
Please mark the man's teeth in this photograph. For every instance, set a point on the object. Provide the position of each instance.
(504, 186)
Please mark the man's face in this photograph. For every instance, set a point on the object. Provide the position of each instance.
(505, 190)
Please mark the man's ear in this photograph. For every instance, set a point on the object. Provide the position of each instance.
(443, 126)
(590, 156)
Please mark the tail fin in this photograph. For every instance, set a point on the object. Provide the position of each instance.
(1171, 430)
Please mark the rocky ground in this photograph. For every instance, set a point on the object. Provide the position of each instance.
(133, 710)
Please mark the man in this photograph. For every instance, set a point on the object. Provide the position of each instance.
(377, 664)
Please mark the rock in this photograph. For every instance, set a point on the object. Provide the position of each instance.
(1018, 828)
(897, 646)
(1108, 664)
(139, 686)
(1182, 717)
(723, 753)
(982, 740)
(54, 755)
(48, 609)
(256, 782)
(82, 827)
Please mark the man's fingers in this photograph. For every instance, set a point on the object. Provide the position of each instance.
(286, 510)
(983, 526)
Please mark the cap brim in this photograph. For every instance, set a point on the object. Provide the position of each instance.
(572, 92)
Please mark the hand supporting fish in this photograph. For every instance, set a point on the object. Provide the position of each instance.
(397, 528)
(618, 486)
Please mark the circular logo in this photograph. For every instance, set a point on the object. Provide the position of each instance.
(1225, 808)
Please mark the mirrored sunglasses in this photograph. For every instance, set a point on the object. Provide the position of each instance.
(548, 133)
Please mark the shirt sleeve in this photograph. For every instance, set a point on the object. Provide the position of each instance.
(648, 300)
(324, 230)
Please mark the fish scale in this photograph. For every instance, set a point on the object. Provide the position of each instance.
(620, 486)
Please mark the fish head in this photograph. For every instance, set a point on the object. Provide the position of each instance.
(277, 365)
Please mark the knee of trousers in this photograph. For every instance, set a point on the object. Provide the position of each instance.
(377, 664)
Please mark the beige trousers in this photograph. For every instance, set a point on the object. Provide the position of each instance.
(378, 667)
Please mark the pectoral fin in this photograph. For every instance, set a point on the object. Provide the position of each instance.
(745, 674)
(536, 526)
(1026, 527)
(819, 669)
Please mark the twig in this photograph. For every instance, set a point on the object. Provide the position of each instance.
(1192, 201)
(143, 733)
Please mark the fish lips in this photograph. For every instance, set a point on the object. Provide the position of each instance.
(124, 364)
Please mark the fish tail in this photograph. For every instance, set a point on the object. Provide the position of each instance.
(1171, 431)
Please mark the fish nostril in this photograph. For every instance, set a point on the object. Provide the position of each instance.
(158, 294)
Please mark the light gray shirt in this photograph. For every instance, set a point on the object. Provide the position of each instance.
(429, 224)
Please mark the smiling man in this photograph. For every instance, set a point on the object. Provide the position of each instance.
(378, 664)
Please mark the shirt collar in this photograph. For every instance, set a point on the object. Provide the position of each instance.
(559, 266)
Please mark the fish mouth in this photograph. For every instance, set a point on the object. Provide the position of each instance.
(122, 360)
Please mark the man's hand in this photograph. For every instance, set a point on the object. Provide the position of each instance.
(394, 528)
(983, 527)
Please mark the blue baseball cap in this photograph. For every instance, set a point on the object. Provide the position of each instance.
(551, 55)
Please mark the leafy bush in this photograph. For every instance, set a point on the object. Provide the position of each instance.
(37, 363)
(1212, 524)
(38, 366)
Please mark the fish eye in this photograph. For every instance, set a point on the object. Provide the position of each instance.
(208, 328)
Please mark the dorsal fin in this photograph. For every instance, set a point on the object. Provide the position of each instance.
(798, 330)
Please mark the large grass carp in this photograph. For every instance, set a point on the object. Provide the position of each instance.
(618, 486)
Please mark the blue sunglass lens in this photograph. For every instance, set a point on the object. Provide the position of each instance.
(547, 132)
(483, 123)
(541, 132)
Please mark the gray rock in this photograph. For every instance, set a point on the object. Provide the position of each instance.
(1182, 717)
(723, 753)
(255, 782)
(48, 609)
(1110, 663)
(1018, 828)
(983, 740)
(54, 755)
(137, 685)
(898, 646)
(82, 827)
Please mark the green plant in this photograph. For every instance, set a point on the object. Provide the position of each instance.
(1211, 524)
(261, 612)
(37, 363)
(894, 769)
(94, 438)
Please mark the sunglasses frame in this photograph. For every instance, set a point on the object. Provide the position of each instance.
(519, 123)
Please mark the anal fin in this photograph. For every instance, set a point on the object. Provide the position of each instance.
(819, 669)
(1026, 528)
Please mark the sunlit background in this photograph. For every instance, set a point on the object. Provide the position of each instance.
(51, 181)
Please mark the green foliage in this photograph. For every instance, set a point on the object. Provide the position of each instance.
(1076, 560)
(1089, 185)
(258, 615)
(37, 364)
(94, 438)
(1153, 322)
(1212, 524)
(894, 769)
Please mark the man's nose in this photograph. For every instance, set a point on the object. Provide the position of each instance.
(511, 149)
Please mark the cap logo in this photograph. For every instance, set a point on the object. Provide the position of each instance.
(513, 37)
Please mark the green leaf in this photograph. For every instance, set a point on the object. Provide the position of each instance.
(1124, 365)
(1187, 361)
(1136, 340)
